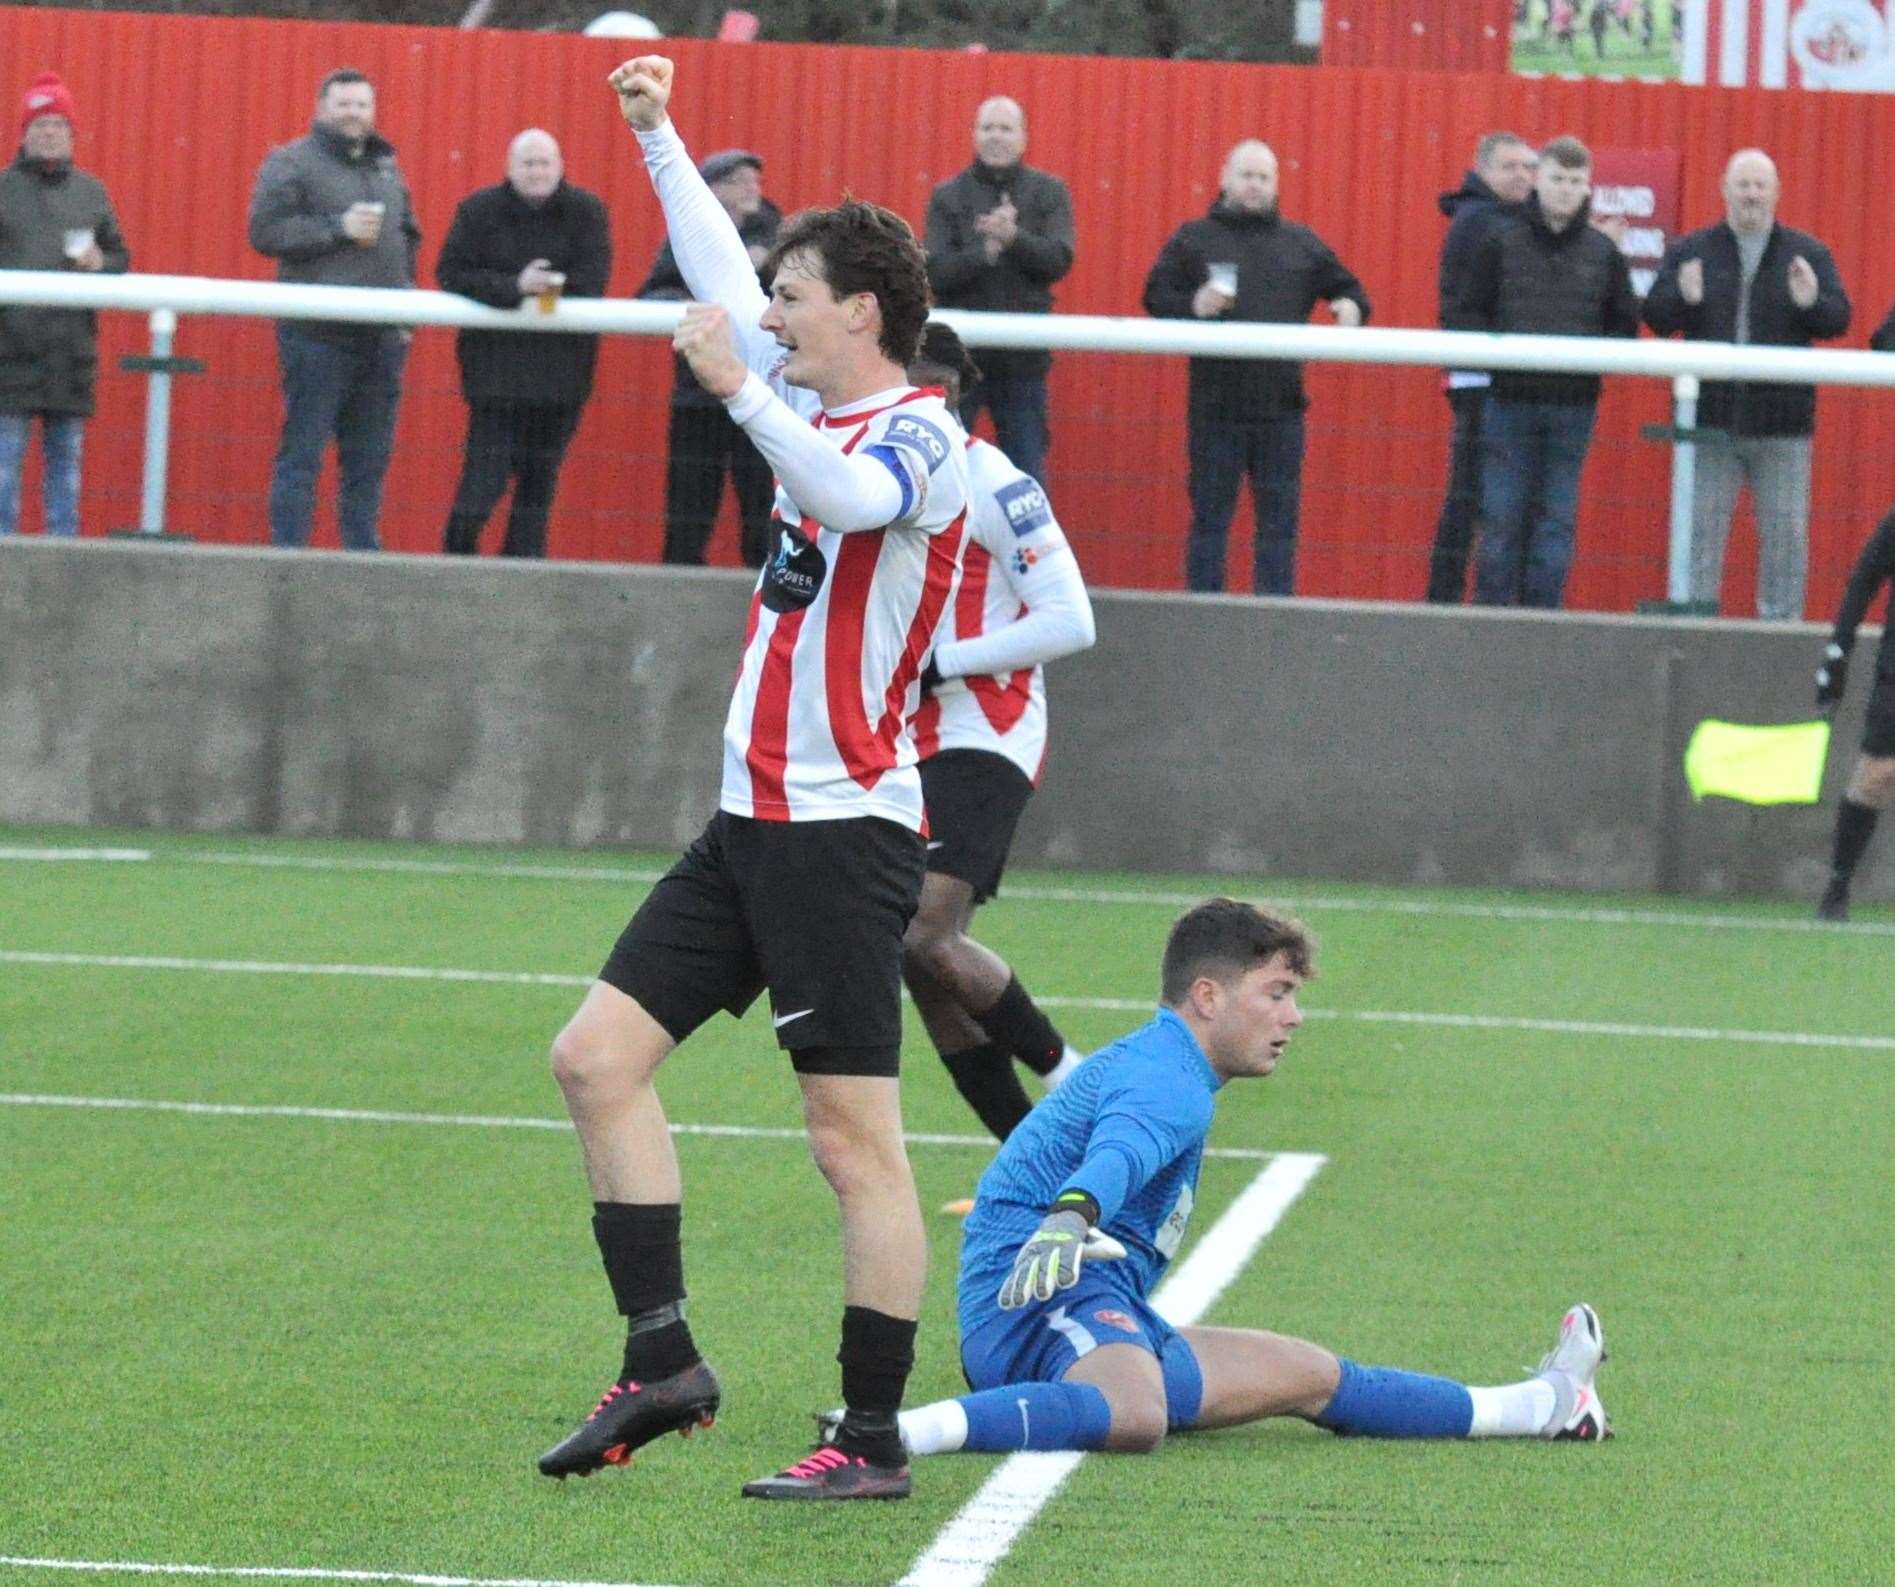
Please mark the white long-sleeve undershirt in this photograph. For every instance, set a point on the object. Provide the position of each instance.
(840, 491)
(712, 258)
(1058, 622)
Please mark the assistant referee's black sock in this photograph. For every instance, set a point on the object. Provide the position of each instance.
(1855, 825)
(877, 1354)
(644, 1260)
(1017, 1024)
(986, 1080)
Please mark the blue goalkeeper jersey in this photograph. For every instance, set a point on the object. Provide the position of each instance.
(1128, 1128)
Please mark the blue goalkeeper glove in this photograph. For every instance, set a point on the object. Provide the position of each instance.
(1050, 1261)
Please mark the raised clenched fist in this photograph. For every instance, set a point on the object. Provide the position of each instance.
(644, 89)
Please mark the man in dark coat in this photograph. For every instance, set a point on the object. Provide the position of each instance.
(998, 237)
(704, 442)
(53, 216)
(1244, 261)
(1748, 279)
(1547, 271)
(1497, 186)
(333, 209)
(522, 244)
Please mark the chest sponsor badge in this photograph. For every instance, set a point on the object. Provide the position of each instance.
(793, 576)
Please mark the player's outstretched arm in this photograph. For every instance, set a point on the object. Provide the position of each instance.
(710, 255)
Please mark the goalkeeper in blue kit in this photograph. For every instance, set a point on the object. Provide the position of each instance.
(1080, 1213)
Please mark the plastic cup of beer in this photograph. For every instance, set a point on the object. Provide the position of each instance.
(1223, 278)
(548, 295)
(78, 242)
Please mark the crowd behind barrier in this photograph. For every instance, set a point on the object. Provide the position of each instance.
(1000, 236)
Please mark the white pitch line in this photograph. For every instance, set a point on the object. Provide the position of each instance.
(1135, 1005)
(1134, 897)
(288, 1573)
(381, 972)
(965, 1551)
(487, 1121)
(1024, 893)
(107, 856)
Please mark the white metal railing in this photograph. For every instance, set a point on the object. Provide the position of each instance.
(1684, 364)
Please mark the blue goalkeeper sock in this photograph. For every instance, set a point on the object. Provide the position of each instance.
(1036, 1416)
(1385, 1402)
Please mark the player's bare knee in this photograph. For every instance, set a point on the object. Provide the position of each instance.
(1874, 781)
(928, 944)
(1138, 1424)
(854, 1163)
(583, 1060)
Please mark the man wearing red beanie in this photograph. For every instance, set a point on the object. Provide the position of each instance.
(53, 216)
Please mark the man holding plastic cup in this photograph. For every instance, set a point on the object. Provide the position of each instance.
(53, 216)
(332, 209)
(520, 245)
(1244, 261)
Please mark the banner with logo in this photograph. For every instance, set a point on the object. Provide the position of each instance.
(1834, 44)
(1641, 188)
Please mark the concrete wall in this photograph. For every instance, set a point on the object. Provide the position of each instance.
(557, 704)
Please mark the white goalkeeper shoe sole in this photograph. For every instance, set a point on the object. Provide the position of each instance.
(1571, 1366)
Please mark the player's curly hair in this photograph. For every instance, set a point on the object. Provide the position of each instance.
(1226, 939)
(864, 248)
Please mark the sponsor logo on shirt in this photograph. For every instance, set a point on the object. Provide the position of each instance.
(793, 577)
(1115, 1319)
(1024, 557)
(1025, 505)
(918, 436)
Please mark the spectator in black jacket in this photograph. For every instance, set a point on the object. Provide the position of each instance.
(704, 441)
(532, 237)
(1244, 261)
(1872, 784)
(1547, 271)
(1747, 279)
(998, 237)
(333, 209)
(1497, 186)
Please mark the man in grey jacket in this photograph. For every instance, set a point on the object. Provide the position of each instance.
(333, 209)
(999, 236)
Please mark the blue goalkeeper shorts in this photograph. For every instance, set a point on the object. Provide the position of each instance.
(1040, 1342)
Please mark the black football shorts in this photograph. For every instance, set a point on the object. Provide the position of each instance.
(974, 799)
(813, 911)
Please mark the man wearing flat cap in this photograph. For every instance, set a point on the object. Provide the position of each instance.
(704, 442)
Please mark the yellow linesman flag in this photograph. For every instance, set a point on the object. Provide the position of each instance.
(1759, 765)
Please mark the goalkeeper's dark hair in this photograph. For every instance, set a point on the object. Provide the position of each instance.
(1226, 939)
(861, 247)
(943, 352)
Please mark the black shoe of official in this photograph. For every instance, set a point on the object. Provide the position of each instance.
(831, 1473)
(631, 1415)
(1834, 904)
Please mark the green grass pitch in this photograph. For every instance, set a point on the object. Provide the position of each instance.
(295, 1342)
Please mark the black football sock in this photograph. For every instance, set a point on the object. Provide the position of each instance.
(986, 1080)
(1855, 825)
(644, 1260)
(1017, 1024)
(877, 1354)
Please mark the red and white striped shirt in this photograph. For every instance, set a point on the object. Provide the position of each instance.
(839, 630)
(1020, 602)
(871, 505)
